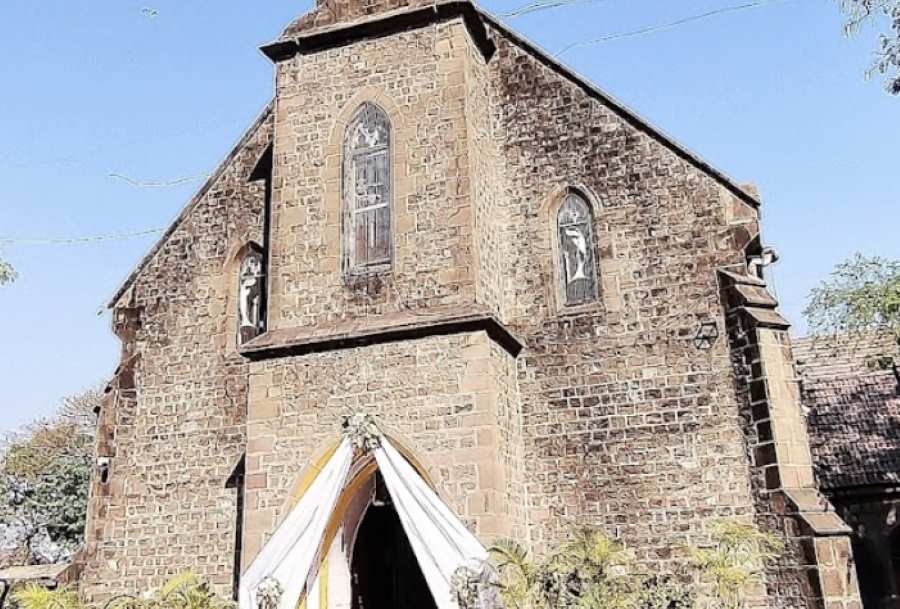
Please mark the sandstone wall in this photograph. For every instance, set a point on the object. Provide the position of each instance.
(444, 398)
(418, 78)
(174, 425)
(627, 425)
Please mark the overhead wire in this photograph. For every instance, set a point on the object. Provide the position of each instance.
(667, 25)
(158, 184)
(523, 10)
(80, 240)
(542, 5)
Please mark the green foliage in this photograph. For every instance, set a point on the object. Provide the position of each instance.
(7, 272)
(734, 561)
(33, 596)
(861, 294)
(519, 577)
(45, 473)
(184, 591)
(592, 571)
(887, 63)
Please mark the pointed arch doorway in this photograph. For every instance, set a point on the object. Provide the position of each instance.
(384, 571)
(341, 543)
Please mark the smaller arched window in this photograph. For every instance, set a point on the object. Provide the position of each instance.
(367, 190)
(575, 240)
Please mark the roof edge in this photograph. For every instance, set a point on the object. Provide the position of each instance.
(378, 26)
(192, 202)
(620, 108)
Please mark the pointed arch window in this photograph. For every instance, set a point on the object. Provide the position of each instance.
(367, 191)
(575, 240)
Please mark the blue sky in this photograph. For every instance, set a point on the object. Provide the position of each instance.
(774, 95)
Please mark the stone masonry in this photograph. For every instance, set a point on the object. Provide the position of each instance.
(644, 412)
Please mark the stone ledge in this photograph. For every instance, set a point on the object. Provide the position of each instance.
(767, 318)
(406, 325)
(398, 20)
(816, 512)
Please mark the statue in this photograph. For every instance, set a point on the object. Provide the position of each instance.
(576, 254)
(250, 294)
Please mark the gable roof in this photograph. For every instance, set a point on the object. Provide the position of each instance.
(192, 202)
(319, 29)
(621, 109)
(853, 411)
(854, 426)
(308, 34)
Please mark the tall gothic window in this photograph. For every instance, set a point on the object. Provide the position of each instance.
(577, 269)
(367, 191)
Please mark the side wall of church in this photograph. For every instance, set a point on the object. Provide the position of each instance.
(173, 427)
(627, 424)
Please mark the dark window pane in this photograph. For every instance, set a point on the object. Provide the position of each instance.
(367, 187)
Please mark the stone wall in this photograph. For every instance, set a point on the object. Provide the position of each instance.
(173, 426)
(445, 399)
(627, 425)
(418, 78)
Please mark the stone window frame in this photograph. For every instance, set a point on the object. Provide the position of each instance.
(250, 247)
(559, 289)
(351, 266)
(229, 283)
(401, 189)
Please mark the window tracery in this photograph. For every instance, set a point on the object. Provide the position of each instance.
(367, 191)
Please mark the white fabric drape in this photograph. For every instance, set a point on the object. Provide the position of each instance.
(290, 555)
(440, 541)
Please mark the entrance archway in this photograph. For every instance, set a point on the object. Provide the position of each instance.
(385, 572)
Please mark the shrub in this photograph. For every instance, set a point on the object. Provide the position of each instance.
(592, 571)
(185, 591)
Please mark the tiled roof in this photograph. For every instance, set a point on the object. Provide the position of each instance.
(853, 416)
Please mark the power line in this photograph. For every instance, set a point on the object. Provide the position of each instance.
(669, 25)
(164, 184)
(81, 240)
(543, 5)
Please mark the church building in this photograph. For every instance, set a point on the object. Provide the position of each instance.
(552, 314)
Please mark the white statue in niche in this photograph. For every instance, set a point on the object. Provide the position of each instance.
(576, 253)
(250, 293)
(578, 279)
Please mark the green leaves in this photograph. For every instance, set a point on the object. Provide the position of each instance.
(861, 294)
(33, 596)
(887, 62)
(7, 272)
(739, 552)
(45, 473)
(592, 571)
(184, 591)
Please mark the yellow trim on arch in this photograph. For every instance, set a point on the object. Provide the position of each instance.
(323, 585)
(312, 471)
(343, 503)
